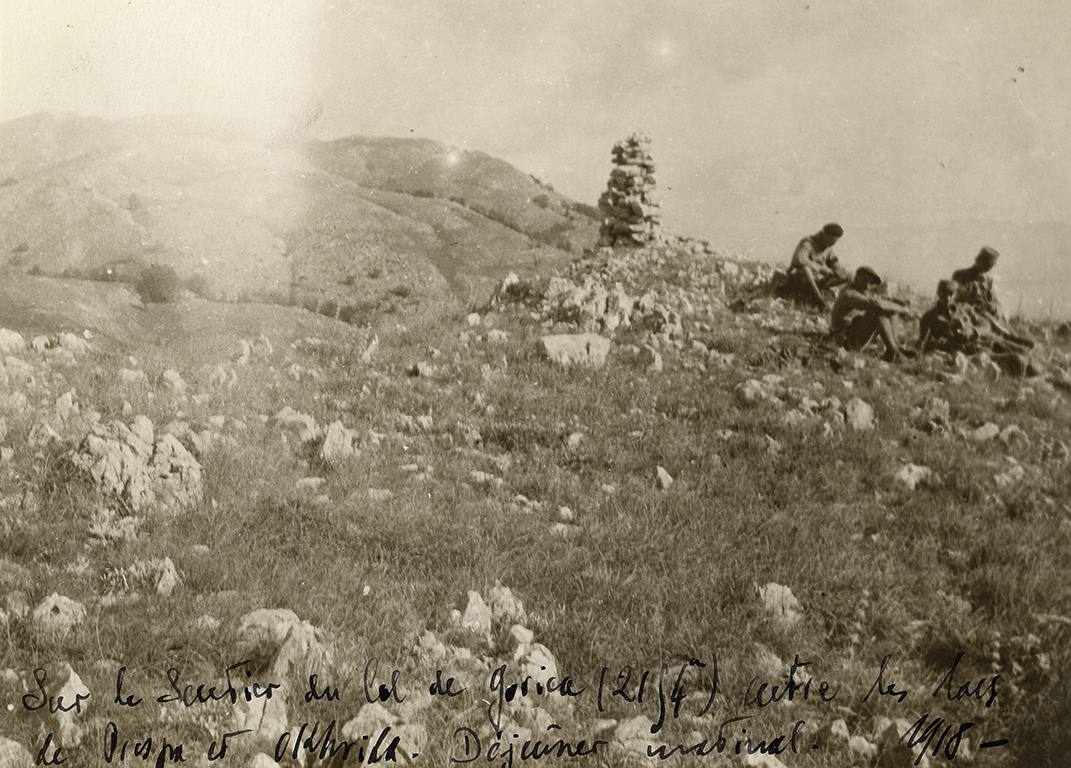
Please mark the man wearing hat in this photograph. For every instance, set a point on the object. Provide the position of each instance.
(815, 268)
(978, 301)
(858, 316)
(975, 283)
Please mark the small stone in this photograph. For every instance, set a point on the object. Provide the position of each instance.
(206, 623)
(1013, 435)
(14, 755)
(912, 475)
(172, 379)
(167, 578)
(520, 635)
(56, 616)
(338, 442)
(486, 479)
(130, 377)
(780, 602)
(506, 608)
(984, 433)
(477, 616)
(585, 349)
(752, 390)
(862, 748)
(564, 530)
(664, 479)
(860, 414)
(11, 342)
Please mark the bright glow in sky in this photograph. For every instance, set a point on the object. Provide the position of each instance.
(767, 117)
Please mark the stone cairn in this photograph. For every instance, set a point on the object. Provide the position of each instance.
(631, 213)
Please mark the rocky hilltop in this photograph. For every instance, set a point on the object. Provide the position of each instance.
(640, 460)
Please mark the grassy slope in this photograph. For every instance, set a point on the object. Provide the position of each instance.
(647, 576)
(239, 219)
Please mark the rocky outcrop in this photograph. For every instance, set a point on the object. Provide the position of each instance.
(125, 462)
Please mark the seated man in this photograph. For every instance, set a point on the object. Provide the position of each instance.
(942, 328)
(978, 302)
(815, 268)
(858, 315)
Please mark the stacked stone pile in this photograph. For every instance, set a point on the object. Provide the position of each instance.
(632, 213)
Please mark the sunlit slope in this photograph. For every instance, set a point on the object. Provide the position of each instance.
(241, 219)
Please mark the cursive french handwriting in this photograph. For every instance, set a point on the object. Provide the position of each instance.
(650, 699)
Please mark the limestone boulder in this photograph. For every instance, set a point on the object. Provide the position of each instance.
(582, 349)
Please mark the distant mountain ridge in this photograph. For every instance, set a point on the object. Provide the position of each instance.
(353, 226)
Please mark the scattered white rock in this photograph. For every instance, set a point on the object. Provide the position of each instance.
(752, 391)
(780, 602)
(664, 479)
(206, 623)
(123, 461)
(583, 349)
(13, 754)
(564, 530)
(477, 615)
(56, 616)
(833, 736)
(912, 475)
(1013, 435)
(301, 423)
(262, 347)
(167, 578)
(278, 637)
(131, 377)
(506, 608)
(1011, 477)
(11, 342)
(486, 479)
(984, 433)
(862, 748)
(173, 380)
(338, 442)
(67, 725)
(860, 414)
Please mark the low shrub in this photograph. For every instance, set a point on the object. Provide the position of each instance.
(159, 284)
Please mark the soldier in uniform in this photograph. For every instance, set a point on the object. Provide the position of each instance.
(815, 269)
(858, 315)
(979, 304)
(942, 327)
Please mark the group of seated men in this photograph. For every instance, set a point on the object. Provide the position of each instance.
(966, 317)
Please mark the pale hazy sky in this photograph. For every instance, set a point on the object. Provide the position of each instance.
(766, 115)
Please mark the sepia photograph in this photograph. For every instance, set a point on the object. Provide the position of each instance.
(603, 383)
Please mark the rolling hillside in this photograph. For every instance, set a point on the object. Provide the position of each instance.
(351, 227)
